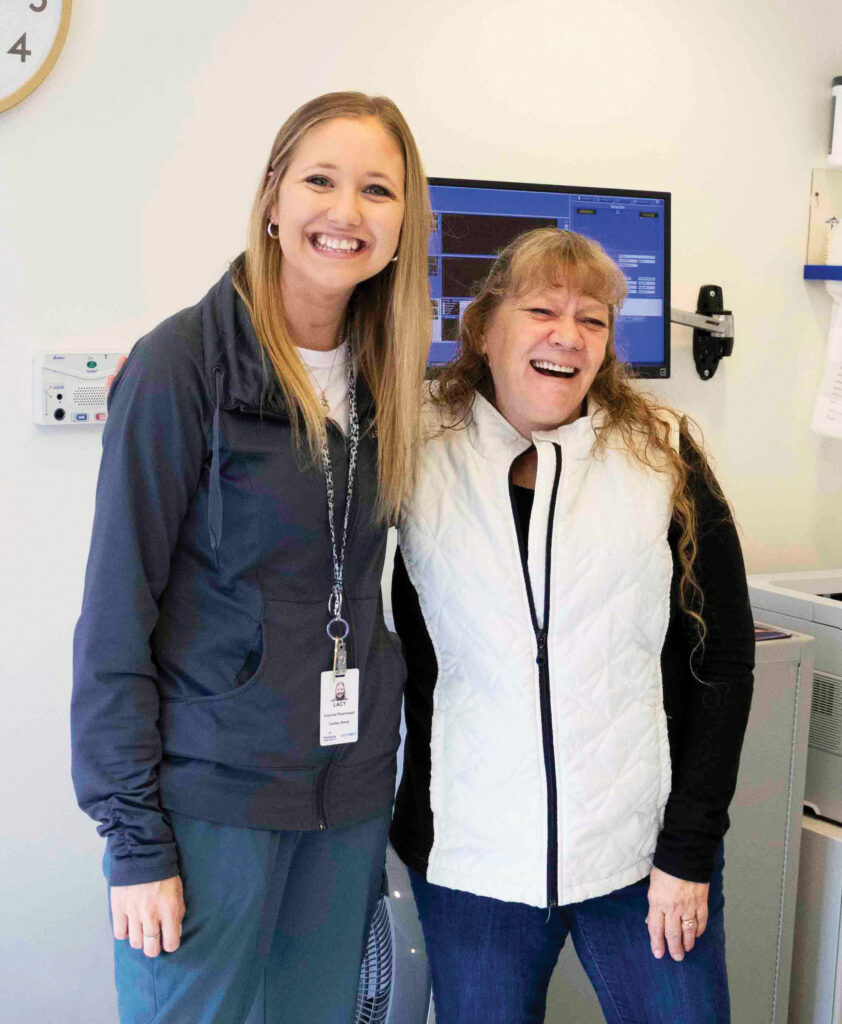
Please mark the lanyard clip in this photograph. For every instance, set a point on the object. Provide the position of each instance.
(337, 629)
(340, 659)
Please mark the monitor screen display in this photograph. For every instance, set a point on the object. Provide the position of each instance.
(473, 220)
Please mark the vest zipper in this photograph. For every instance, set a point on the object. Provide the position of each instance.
(542, 660)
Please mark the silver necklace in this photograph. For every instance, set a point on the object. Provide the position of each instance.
(324, 401)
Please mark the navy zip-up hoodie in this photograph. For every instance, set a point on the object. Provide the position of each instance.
(199, 649)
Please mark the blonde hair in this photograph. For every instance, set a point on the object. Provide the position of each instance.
(395, 299)
(551, 256)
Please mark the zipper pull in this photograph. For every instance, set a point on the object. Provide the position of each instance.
(541, 637)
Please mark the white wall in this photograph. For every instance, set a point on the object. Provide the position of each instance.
(125, 183)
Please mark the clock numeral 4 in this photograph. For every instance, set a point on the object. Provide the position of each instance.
(38, 7)
(20, 50)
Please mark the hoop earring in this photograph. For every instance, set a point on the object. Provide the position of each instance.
(394, 259)
(269, 227)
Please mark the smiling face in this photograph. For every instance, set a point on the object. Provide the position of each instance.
(544, 349)
(340, 206)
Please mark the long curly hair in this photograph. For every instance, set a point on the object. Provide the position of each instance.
(641, 423)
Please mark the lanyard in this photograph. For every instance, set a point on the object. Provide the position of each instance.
(338, 628)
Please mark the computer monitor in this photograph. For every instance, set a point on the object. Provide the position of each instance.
(475, 219)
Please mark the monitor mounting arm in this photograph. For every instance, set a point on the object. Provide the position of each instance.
(713, 329)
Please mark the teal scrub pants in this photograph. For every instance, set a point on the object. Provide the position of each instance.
(274, 932)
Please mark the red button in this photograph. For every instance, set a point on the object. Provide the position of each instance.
(102, 416)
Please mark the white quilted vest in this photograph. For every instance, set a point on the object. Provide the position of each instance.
(609, 607)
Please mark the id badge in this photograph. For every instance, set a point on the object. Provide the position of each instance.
(340, 707)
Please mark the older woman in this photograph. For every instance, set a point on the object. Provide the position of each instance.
(571, 597)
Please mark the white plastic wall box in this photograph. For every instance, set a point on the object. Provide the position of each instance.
(71, 388)
(794, 600)
(761, 850)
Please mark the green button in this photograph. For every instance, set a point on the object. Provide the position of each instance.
(91, 364)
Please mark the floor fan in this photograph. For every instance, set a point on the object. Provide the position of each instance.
(394, 985)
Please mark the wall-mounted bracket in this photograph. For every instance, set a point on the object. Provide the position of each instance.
(713, 329)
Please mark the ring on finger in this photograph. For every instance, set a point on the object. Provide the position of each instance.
(688, 922)
(149, 938)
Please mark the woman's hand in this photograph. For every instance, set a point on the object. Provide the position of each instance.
(678, 912)
(149, 915)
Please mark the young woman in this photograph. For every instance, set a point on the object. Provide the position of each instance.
(574, 611)
(257, 445)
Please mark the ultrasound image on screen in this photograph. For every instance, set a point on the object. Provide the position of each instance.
(461, 275)
(484, 235)
(450, 328)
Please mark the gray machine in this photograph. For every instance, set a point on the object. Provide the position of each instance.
(812, 602)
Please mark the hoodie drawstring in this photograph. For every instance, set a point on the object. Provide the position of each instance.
(215, 496)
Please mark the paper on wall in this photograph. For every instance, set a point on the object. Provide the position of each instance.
(827, 415)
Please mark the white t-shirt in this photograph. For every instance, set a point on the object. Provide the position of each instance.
(329, 374)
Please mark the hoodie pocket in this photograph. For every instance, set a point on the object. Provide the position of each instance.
(272, 719)
(249, 675)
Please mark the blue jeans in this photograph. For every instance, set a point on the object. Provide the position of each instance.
(492, 961)
(275, 928)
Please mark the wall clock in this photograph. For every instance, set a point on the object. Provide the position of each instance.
(31, 37)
